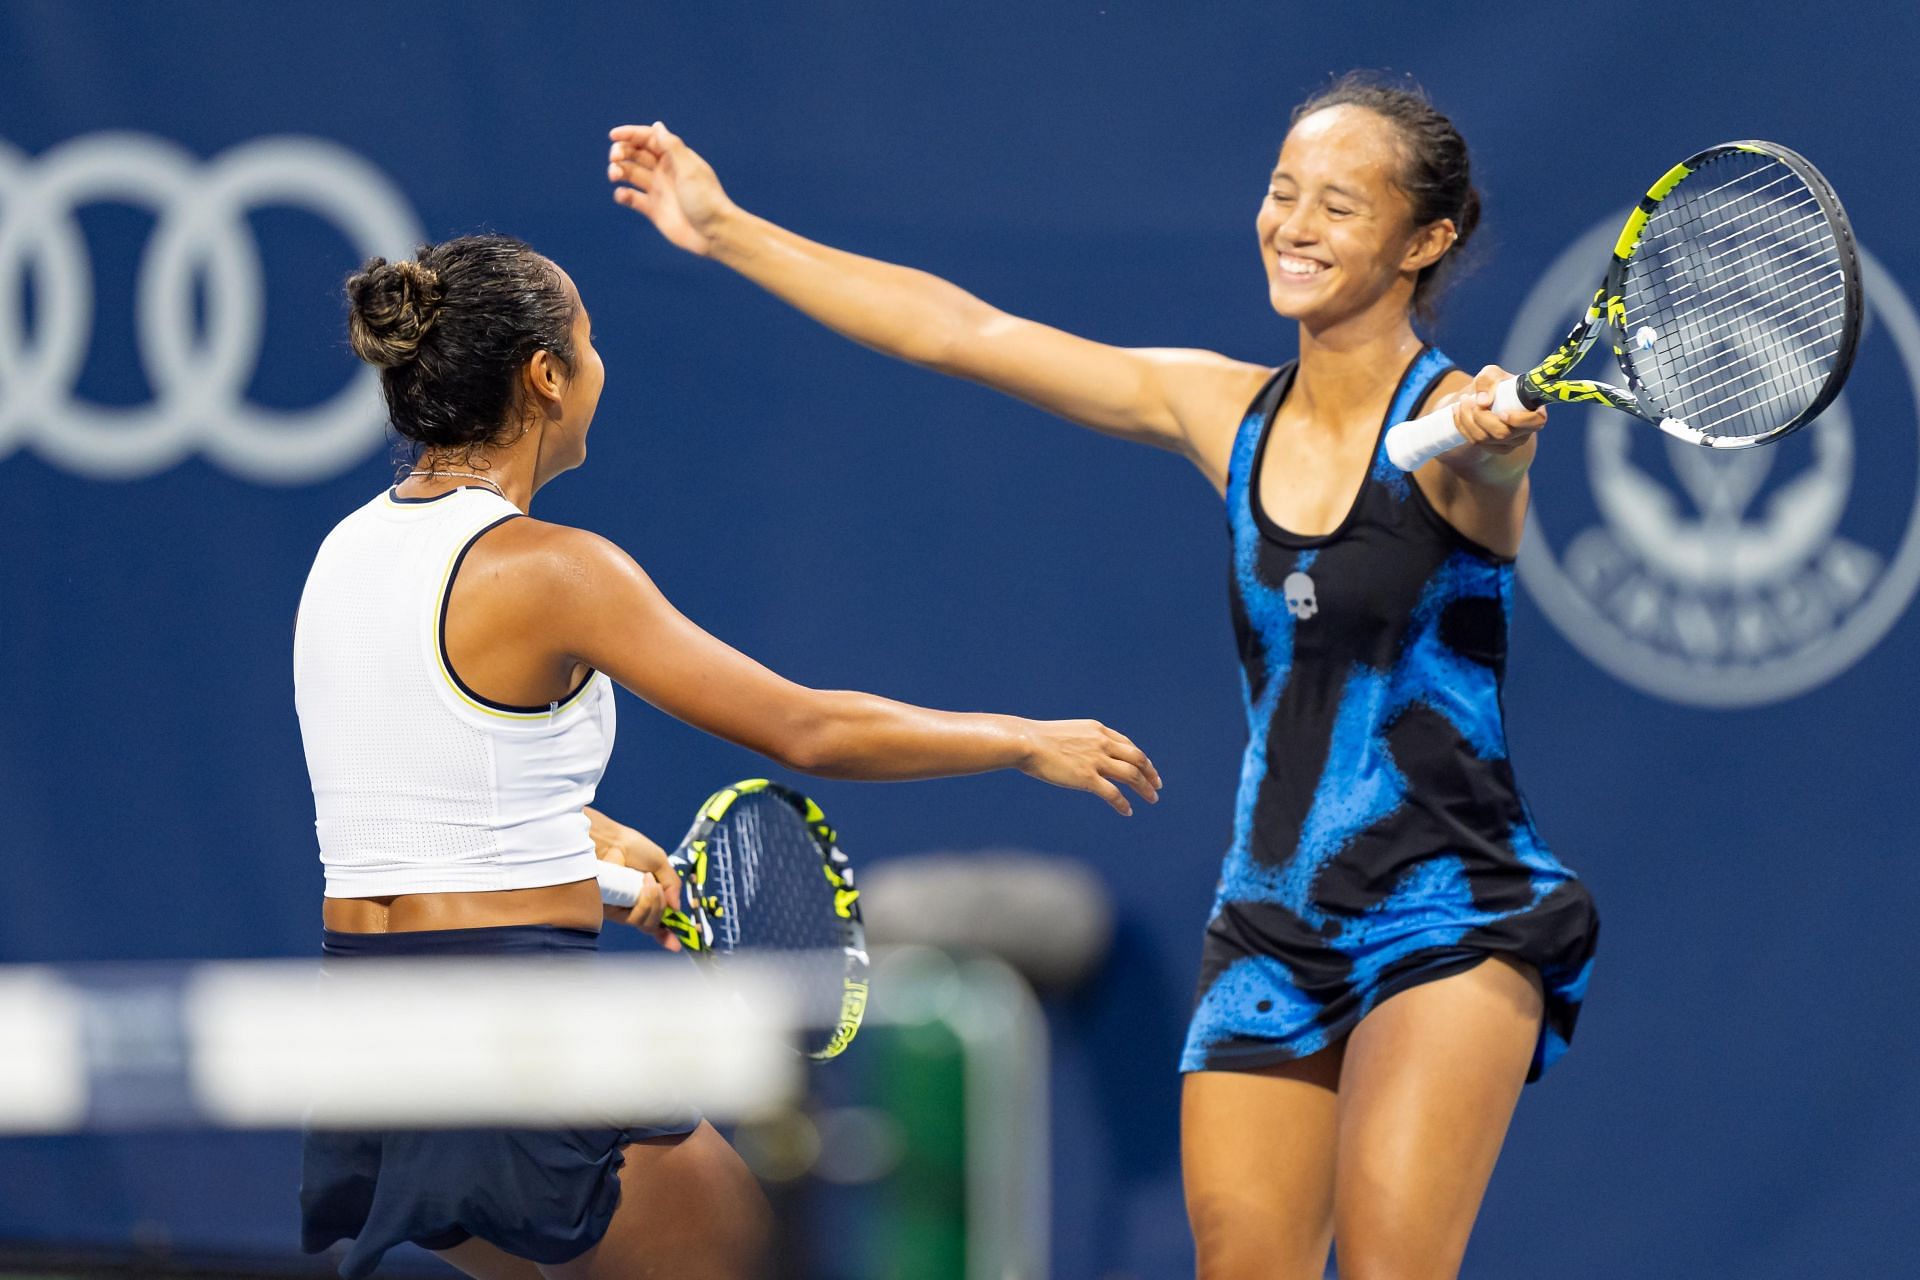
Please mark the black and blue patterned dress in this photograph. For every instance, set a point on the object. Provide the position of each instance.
(1379, 838)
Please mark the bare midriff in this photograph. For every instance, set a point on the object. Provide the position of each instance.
(575, 905)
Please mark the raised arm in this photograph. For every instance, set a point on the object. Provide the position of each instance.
(1183, 400)
(595, 606)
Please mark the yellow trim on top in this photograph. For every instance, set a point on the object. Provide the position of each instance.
(440, 655)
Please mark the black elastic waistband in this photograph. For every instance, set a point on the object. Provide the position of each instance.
(511, 939)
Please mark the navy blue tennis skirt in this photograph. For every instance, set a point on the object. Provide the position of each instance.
(545, 1195)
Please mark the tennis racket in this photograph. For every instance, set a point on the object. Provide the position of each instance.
(1732, 304)
(761, 872)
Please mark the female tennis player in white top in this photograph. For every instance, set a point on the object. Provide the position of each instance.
(452, 666)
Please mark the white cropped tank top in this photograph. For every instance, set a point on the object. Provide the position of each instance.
(420, 785)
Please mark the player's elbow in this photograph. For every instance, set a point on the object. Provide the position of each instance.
(817, 738)
(805, 751)
(959, 344)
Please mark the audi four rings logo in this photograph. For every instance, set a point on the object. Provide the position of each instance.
(201, 248)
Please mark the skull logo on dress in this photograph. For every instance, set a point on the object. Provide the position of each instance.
(1301, 602)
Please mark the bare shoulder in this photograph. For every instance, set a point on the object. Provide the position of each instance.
(1209, 394)
(539, 566)
(1201, 376)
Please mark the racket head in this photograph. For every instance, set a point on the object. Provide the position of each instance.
(1733, 299)
(762, 872)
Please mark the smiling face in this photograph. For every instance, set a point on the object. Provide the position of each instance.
(1336, 230)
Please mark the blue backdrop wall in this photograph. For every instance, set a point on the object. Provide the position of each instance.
(1723, 759)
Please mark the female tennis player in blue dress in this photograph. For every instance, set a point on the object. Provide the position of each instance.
(452, 662)
(1392, 950)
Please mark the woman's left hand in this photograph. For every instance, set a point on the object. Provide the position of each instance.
(1497, 433)
(620, 844)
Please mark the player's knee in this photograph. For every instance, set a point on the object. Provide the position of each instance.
(1369, 1266)
(1383, 1247)
(1238, 1236)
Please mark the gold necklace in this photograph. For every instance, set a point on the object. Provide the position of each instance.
(465, 475)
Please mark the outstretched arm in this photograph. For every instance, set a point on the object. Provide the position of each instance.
(1183, 400)
(590, 600)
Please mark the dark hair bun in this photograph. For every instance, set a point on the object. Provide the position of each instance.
(393, 305)
(451, 329)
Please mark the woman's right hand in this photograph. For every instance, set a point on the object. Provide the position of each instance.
(657, 174)
(1088, 756)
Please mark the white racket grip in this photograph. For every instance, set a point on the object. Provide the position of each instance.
(1413, 444)
(619, 886)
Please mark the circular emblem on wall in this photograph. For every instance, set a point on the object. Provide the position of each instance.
(200, 300)
(1726, 579)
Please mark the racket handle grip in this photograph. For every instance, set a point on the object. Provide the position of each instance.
(619, 886)
(1414, 443)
